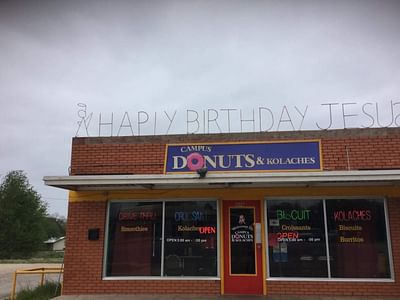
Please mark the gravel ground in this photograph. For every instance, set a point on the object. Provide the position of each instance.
(6, 277)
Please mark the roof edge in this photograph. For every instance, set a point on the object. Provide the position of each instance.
(192, 180)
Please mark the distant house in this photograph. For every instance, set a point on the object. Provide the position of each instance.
(55, 244)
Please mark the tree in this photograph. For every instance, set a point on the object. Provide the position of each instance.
(54, 226)
(22, 214)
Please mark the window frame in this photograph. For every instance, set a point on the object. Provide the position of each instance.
(162, 276)
(329, 277)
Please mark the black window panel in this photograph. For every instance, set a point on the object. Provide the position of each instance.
(296, 238)
(242, 247)
(190, 234)
(134, 239)
(357, 238)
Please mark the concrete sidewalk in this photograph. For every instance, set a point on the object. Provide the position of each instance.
(225, 297)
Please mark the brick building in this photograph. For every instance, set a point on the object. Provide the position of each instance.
(300, 213)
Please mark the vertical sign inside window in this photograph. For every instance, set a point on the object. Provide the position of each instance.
(242, 241)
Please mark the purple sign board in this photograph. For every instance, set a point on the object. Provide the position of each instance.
(244, 157)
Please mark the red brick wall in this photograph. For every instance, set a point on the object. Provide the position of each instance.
(366, 148)
(84, 261)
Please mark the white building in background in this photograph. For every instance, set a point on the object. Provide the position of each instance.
(56, 244)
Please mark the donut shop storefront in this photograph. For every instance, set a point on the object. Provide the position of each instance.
(257, 214)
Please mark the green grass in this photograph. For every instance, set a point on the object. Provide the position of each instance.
(45, 292)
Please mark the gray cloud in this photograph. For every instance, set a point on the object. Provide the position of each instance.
(166, 55)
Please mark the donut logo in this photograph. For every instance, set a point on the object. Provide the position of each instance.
(195, 161)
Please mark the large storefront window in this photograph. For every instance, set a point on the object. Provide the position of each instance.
(134, 239)
(190, 239)
(296, 236)
(137, 235)
(357, 238)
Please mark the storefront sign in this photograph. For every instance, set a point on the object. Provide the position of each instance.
(244, 157)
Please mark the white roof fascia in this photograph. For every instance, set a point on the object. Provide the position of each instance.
(192, 180)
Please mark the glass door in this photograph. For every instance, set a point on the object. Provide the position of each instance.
(243, 272)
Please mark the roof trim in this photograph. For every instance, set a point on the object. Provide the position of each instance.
(223, 180)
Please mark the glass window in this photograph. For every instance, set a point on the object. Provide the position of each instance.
(242, 245)
(357, 239)
(296, 238)
(190, 247)
(134, 239)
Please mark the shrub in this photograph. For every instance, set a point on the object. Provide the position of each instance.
(45, 292)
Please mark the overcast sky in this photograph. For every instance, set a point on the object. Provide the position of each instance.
(156, 56)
